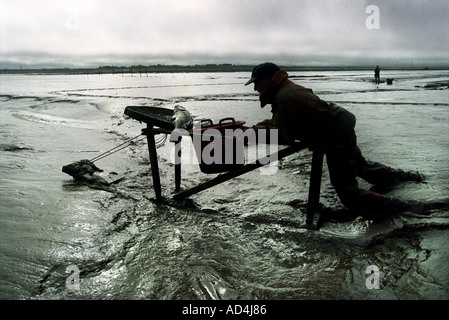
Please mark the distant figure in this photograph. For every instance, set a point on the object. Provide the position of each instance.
(299, 114)
(377, 75)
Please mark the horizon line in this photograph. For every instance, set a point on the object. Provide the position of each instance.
(211, 67)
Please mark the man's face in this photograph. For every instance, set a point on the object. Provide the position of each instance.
(260, 85)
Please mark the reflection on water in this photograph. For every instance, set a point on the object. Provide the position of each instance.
(243, 239)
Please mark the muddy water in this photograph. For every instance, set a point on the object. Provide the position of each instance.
(243, 239)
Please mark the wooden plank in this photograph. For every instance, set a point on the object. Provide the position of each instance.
(152, 116)
(314, 185)
(246, 168)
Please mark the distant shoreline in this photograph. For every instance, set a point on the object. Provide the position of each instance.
(211, 68)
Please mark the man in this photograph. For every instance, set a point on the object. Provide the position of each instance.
(377, 75)
(299, 114)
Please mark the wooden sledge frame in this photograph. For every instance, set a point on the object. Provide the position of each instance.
(315, 175)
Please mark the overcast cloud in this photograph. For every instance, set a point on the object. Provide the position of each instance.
(301, 32)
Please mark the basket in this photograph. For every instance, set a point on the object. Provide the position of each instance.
(209, 160)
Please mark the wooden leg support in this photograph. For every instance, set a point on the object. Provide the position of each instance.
(315, 185)
(178, 165)
(154, 164)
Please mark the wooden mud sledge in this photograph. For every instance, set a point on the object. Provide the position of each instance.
(158, 121)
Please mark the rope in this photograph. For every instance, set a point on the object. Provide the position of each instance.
(111, 151)
(159, 143)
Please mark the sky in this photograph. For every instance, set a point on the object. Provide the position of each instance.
(90, 33)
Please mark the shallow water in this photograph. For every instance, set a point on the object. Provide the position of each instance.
(243, 239)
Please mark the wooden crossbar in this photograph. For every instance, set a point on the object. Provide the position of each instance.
(242, 170)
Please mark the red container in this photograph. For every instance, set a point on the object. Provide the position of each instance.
(209, 159)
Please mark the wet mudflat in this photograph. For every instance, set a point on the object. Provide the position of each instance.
(243, 239)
